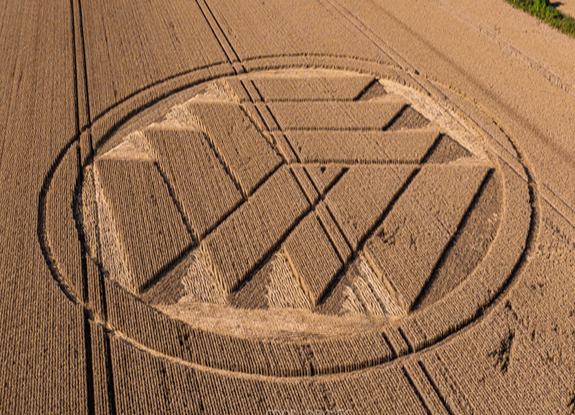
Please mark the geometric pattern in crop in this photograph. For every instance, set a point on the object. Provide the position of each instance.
(323, 191)
(307, 221)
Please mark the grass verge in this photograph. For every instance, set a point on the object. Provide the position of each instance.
(544, 11)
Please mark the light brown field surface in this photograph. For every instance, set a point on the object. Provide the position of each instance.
(244, 237)
(286, 207)
(566, 7)
(362, 146)
(357, 200)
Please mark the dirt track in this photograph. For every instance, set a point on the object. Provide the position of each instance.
(331, 206)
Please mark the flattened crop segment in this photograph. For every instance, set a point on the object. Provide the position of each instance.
(314, 88)
(253, 230)
(335, 115)
(200, 182)
(412, 238)
(362, 146)
(150, 228)
(312, 257)
(362, 195)
(247, 154)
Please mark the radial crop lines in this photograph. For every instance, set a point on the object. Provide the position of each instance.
(186, 222)
(312, 256)
(405, 253)
(225, 166)
(151, 230)
(208, 234)
(265, 124)
(358, 200)
(325, 222)
(241, 242)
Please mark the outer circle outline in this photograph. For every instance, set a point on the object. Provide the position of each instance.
(481, 310)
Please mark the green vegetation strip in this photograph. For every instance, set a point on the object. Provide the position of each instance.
(544, 11)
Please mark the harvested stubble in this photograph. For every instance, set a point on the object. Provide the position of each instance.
(251, 232)
(150, 227)
(312, 87)
(335, 115)
(412, 238)
(199, 181)
(362, 146)
(358, 199)
(312, 257)
(245, 152)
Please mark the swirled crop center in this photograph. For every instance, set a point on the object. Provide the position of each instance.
(294, 204)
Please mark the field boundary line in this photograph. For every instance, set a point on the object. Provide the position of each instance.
(221, 37)
(226, 63)
(415, 390)
(79, 53)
